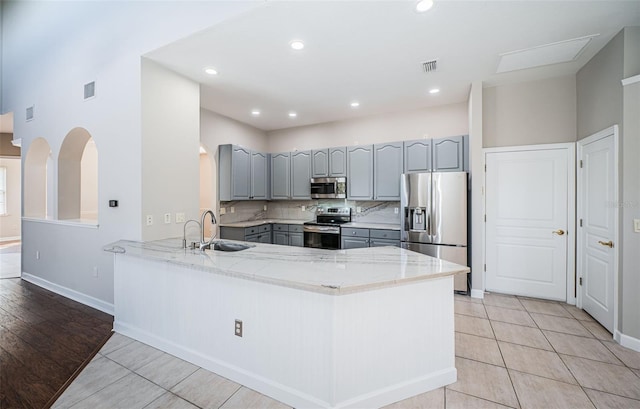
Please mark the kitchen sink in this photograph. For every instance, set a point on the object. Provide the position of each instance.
(226, 246)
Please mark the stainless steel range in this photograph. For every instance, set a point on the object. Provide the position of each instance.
(324, 233)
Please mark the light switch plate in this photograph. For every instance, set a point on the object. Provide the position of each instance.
(180, 217)
(358, 209)
(223, 210)
(636, 225)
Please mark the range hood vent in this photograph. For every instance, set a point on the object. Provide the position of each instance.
(430, 66)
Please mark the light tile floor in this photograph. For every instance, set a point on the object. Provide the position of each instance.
(511, 352)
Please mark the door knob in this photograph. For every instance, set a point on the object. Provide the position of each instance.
(559, 232)
(606, 243)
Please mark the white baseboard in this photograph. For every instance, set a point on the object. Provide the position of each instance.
(14, 238)
(626, 341)
(69, 293)
(477, 293)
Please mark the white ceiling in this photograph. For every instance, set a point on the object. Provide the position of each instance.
(372, 51)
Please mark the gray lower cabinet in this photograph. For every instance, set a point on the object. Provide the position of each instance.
(360, 172)
(354, 242)
(388, 167)
(256, 234)
(301, 175)
(353, 238)
(281, 238)
(280, 175)
(296, 239)
(288, 235)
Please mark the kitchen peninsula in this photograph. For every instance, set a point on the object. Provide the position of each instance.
(318, 328)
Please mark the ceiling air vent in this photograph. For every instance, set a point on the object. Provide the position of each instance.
(30, 113)
(430, 66)
(90, 90)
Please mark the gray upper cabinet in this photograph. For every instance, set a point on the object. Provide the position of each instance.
(448, 154)
(259, 179)
(301, 175)
(417, 156)
(338, 161)
(320, 163)
(388, 166)
(360, 172)
(280, 176)
(241, 174)
(330, 162)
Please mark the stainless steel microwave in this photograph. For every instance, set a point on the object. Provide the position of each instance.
(328, 188)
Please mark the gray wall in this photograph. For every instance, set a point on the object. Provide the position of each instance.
(603, 102)
(530, 113)
(599, 90)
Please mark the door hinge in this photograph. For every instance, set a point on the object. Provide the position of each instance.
(485, 267)
(580, 222)
(580, 163)
(485, 218)
(580, 281)
(485, 168)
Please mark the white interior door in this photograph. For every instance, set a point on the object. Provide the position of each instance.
(597, 213)
(528, 201)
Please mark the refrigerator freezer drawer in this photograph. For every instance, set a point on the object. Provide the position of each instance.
(454, 254)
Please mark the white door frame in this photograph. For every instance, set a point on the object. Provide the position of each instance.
(613, 130)
(571, 209)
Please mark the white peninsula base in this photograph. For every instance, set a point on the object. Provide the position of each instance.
(362, 349)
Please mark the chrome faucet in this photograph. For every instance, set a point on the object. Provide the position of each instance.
(184, 231)
(206, 245)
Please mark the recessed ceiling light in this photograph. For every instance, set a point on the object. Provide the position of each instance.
(255, 112)
(355, 104)
(423, 5)
(434, 90)
(297, 45)
(211, 71)
(292, 114)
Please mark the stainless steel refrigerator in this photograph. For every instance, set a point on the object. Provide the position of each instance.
(434, 217)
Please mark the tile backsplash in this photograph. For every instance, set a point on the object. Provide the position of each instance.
(370, 211)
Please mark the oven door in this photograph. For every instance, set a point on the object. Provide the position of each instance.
(322, 237)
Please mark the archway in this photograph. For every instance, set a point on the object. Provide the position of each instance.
(78, 177)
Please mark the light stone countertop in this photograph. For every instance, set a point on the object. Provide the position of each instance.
(253, 223)
(332, 272)
(381, 226)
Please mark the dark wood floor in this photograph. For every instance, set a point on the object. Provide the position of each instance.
(44, 340)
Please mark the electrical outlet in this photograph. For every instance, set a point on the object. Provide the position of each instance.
(149, 220)
(238, 328)
(303, 208)
(395, 210)
(636, 225)
(233, 209)
(358, 209)
(180, 217)
(95, 271)
(167, 218)
(37, 255)
(264, 208)
(223, 210)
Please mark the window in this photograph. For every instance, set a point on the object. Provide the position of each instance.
(3, 190)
